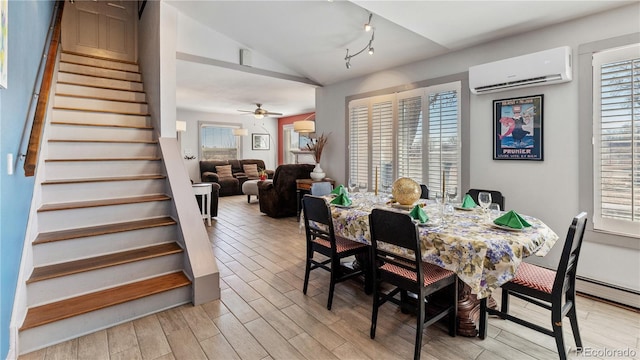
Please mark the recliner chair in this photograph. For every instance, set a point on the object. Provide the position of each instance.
(278, 198)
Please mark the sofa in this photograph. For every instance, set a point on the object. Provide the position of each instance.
(230, 181)
(278, 197)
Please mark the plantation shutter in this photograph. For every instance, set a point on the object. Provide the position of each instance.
(443, 154)
(358, 142)
(381, 143)
(617, 140)
(410, 135)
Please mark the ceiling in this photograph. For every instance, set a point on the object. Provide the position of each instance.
(309, 38)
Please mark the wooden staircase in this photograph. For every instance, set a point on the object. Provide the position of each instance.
(106, 250)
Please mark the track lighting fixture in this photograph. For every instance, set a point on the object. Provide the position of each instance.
(369, 46)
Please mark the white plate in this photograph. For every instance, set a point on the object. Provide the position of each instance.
(342, 206)
(506, 227)
(465, 209)
(403, 207)
(429, 223)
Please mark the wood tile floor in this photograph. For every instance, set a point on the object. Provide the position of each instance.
(262, 314)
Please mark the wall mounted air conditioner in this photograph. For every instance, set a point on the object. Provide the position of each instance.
(546, 67)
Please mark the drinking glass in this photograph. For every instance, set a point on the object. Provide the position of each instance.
(484, 199)
(362, 186)
(352, 185)
(494, 211)
(452, 194)
(447, 214)
(437, 196)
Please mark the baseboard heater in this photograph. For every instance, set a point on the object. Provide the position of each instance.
(622, 296)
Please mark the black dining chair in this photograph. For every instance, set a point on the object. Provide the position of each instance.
(424, 191)
(496, 196)
(552, 290)
(321, 238)
(407, 274)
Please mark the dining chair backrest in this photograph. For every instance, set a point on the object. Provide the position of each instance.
(316, 210)
(424, 191)
(321, 188)
(496, 196)
(566, 272)
(396, 229)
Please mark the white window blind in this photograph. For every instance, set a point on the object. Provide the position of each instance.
(410, 138)
(382, 143)
(443, 140)
(358, 142)
(407, 138)
(616, 128)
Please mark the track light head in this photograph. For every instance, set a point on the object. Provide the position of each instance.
(367, 26)
(371, 50)
(348, 64)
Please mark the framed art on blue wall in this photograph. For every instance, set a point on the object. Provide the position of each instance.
(4, 29)
(517, 128)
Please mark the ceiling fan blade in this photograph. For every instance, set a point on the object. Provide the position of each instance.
(246, 111)
(272, 113)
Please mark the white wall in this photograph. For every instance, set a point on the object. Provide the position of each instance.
(548, 189)
(189, 138)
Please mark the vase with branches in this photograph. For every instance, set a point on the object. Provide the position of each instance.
(316, 147)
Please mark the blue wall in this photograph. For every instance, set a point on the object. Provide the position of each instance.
(28, 24)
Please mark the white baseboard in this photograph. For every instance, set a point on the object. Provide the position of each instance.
(609, 292)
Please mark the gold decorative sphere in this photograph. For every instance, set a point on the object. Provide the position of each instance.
(406, 191)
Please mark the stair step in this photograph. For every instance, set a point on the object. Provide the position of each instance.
(103, 202)
(108, 119)
(141, 127)
(104, 141)
(102, 229)
(83, 304)
(87, 80)
(102, 97)
(98, 71)
(97, 76)
(99, 63)
(99, 262)
(104, 179)
(98, 57)
(101, 111)
(90, 91)
(101, 105)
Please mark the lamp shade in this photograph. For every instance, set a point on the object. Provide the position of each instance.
(240, 132)
(181, 126)
(304, 126)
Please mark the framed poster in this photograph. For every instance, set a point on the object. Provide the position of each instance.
(260, 141)
(517, 128)
(4, 28)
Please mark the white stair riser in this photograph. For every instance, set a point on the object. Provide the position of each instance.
(98, 62)
(57, 332)
(59, 251)
(100, 82)
(69, 219)
(56, 193)
(82, 169)
(100, 105)
(84, 117)
(91, 150)
(56, 289)
(79, 132)
(79, 90)
(101, 72)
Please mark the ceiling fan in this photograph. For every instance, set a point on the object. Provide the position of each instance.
(259, 113)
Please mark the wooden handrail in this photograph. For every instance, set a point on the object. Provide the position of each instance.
(43, 100)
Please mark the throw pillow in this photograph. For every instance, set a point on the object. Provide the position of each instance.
(224, 171)
(251, 170)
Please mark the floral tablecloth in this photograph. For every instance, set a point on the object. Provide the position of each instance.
(483, 256)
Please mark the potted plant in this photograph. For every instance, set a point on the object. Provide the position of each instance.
(316, 146)
(262, 173)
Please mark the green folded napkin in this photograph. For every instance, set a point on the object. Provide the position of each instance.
(342, 200)
(512, 219)
(339, 190)
(419, 214)
(468, 202)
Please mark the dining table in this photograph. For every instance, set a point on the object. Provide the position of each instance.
(483, 255)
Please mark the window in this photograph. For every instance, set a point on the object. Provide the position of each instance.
(413, 134)
(217, 142)
(616, 142)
